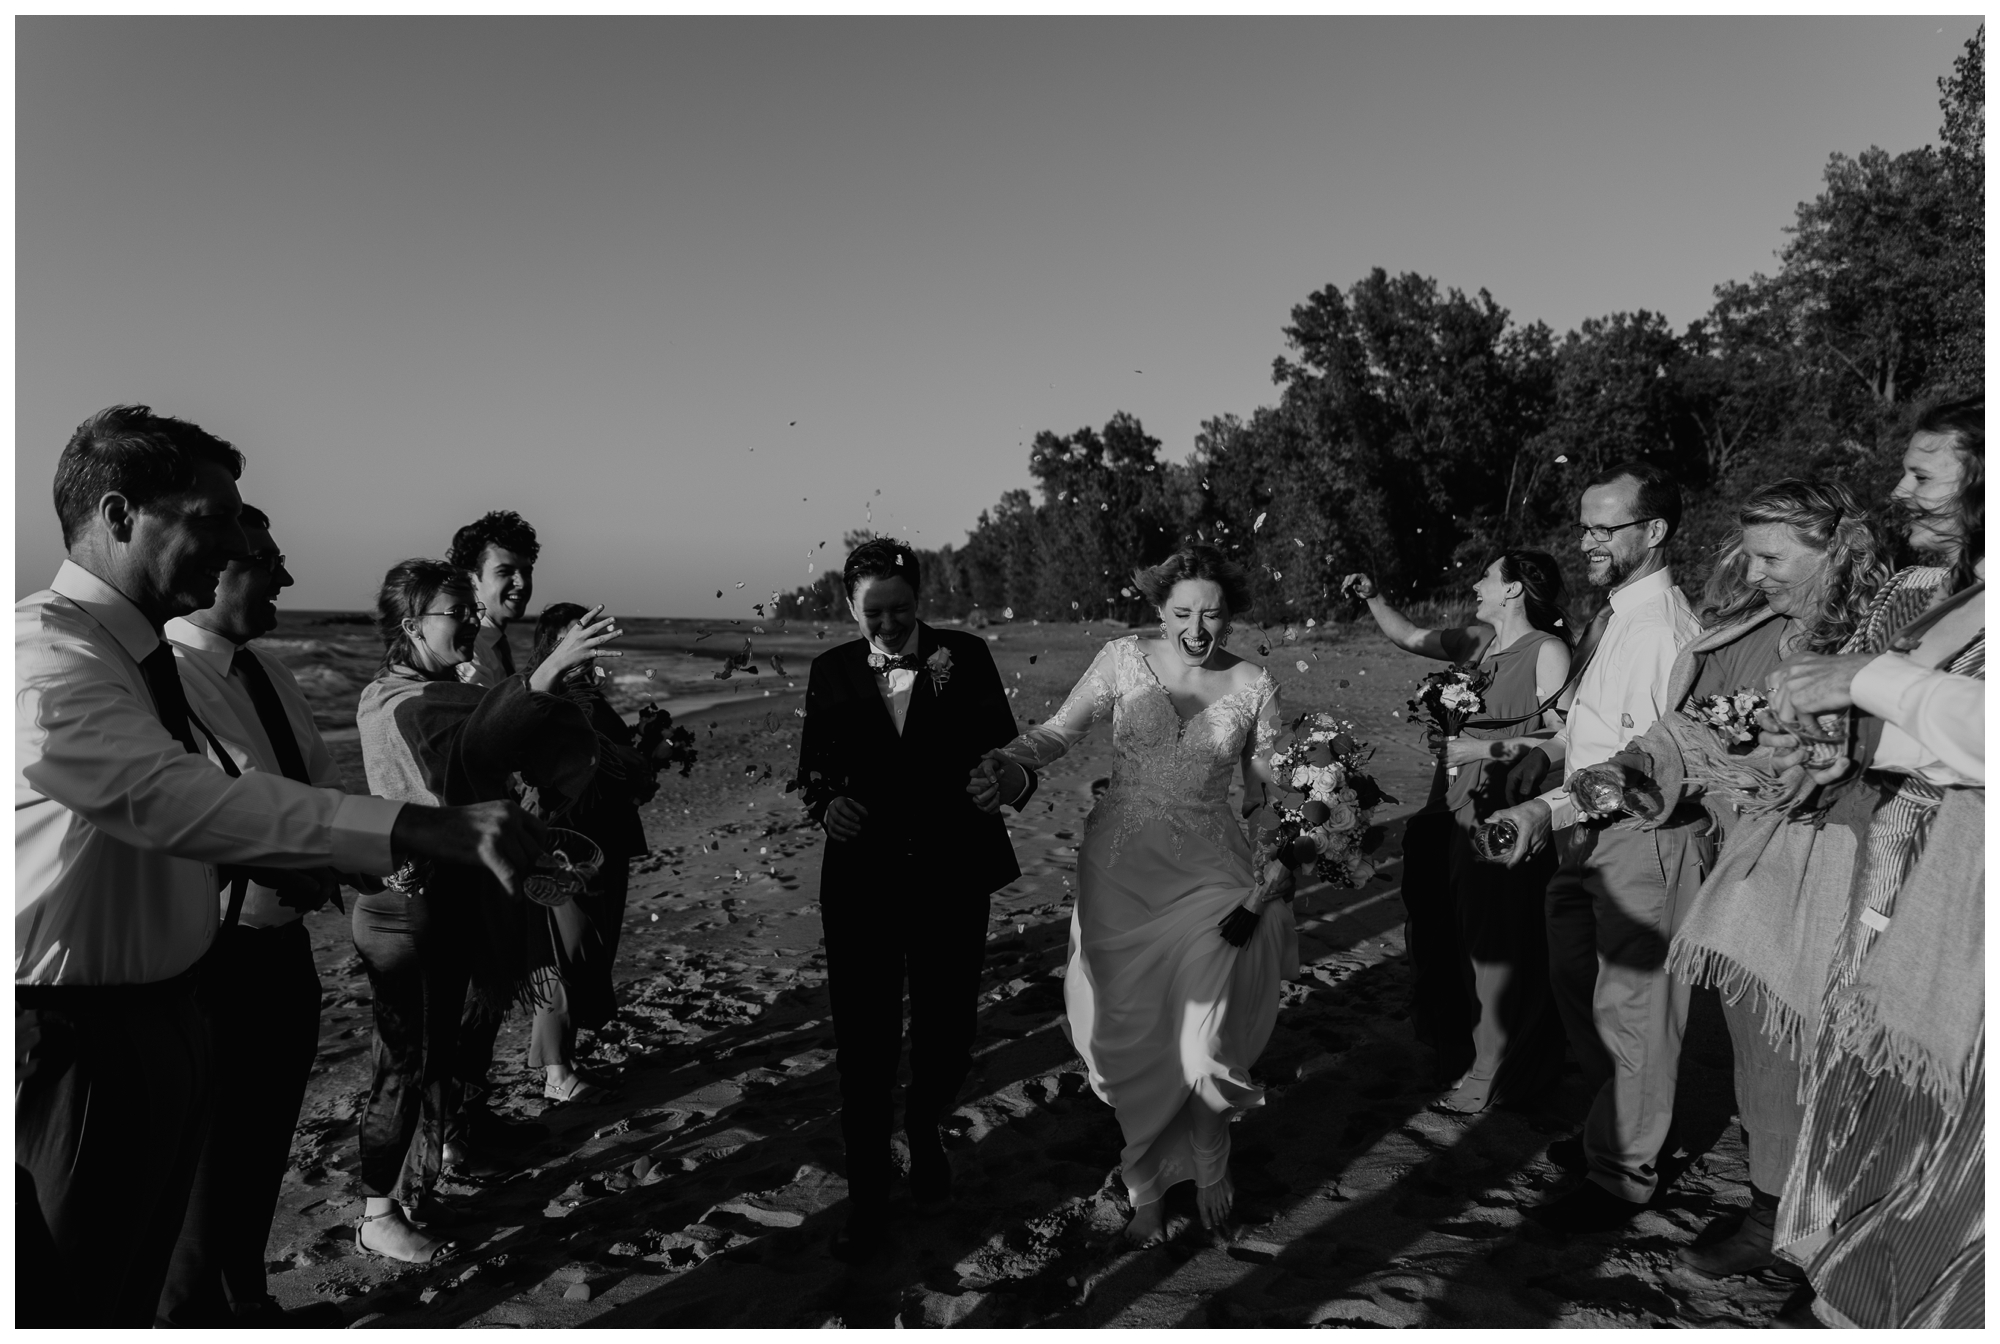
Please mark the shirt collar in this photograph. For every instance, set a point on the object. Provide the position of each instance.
(1653, 585)
(108, 607)
(215, 650)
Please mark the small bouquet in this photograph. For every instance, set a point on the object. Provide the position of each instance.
(1330, 799)
(1445, 701)
(659, 740)
(1733, 716)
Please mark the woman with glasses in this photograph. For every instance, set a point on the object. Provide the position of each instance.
(429, 735)
(1476, 933)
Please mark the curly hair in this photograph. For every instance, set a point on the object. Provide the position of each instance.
(881, 558)
(407, 590)
(1197, 560)
(503, 528)
(1826, 518)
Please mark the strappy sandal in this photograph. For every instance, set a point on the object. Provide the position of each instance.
(579, 1090)
(440, 1251)
(1470, 1095)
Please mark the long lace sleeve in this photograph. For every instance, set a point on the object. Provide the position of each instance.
(1090, 700)
(1259, 745)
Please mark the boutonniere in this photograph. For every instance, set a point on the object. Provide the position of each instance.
(939, 666)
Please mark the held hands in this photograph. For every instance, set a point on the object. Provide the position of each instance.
(1789, 751)
(994, 778)
(843, 818)
(583, 641)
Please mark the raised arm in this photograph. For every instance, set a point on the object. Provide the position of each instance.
(1450, 644)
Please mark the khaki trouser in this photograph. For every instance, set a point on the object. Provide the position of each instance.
(1614, 905)
(1767, 1097)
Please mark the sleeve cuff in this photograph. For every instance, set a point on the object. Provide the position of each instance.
(1562, 809)
(361, 834)
(1880, 686)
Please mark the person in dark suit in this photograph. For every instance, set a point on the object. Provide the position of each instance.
(897, 723)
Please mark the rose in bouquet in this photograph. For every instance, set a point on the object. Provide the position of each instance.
(1733, 716)
(1445, 701)
(1328, 801)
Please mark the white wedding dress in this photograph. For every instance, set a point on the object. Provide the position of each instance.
(1166, 1014)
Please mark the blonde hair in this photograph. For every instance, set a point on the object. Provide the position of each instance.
(1825, 518)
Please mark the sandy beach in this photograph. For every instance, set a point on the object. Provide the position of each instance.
(703, 1194)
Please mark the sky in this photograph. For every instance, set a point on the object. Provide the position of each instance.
(695, 295)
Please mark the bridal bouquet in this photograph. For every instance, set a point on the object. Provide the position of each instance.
(1733, 716)
(1329, 800)
(1445, 701)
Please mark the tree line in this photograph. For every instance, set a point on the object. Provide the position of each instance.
(1417, 430)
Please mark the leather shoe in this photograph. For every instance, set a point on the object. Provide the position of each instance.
(1568, 1154)
(1588, 1208)
(1744, 1250)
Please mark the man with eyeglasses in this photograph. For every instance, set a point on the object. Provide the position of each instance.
(121, 818)
(263, 1004)
(1619, 894)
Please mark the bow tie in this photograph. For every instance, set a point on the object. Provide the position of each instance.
(889, 662)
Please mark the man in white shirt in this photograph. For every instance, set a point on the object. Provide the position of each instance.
(499, 551)
(119, 823)
(1619, 894)
(264, 1001)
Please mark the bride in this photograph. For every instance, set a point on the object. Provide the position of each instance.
(1167, 1013)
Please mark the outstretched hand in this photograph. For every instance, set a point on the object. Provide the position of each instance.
(580, 643)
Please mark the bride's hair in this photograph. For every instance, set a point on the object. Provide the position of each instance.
(1198, 560)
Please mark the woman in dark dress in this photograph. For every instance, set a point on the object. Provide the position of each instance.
(1476, 934)
(577, 991)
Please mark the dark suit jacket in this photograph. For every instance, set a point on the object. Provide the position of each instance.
(913, 785)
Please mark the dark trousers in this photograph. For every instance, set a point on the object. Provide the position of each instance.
(418, 981)
(111, 1098)
(263, 1007)
(876, 940)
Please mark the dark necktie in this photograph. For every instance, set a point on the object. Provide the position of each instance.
(270, 713)
(1593, 635)
(163, 679)
(503, 651)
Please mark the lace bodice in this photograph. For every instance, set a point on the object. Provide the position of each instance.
(1166, 768)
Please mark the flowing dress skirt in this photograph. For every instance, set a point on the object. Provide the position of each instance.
(1165, 1013)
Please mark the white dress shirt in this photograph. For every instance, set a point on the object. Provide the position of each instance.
(1624, 689)
(488, 669)
(220, 700)
(116, 824)
(1934, 722)
(895, 684)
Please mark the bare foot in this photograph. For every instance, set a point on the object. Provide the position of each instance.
(1149, 1223)
(1215, 1202)
(389, 1236)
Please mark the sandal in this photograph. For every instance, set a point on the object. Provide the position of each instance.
(439, 1251)
(578, 1089)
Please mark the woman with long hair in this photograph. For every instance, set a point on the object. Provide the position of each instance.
(1476, 934)
(428, 735)
(1799, 578)
(1167, 1012)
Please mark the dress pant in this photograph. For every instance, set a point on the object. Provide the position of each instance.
(263, 1008)
(110, 1104)
(877, 940)
(418, 980)
(1767, 1097)
(1616, 900)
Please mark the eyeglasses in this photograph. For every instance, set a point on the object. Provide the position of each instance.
(268, 561)
(461, 613)
(1585, 531)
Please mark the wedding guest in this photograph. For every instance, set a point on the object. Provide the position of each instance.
(119, 822)
(585, 931)
(499, 551)
(1885, 1205)
(1617, 895)
(443, 930)
(1800, 577)
(896, 722)
(1477, 938)
(263, 1001)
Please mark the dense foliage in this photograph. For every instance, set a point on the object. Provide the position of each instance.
(1417, 430)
